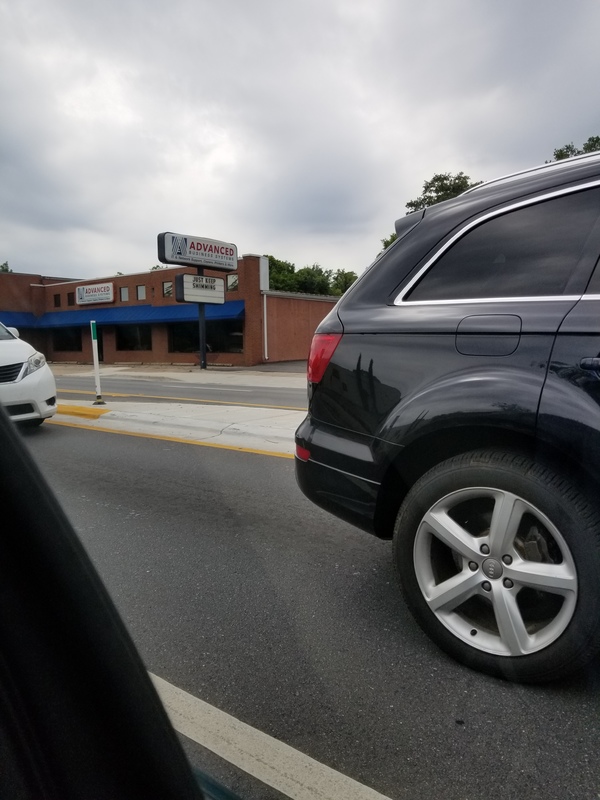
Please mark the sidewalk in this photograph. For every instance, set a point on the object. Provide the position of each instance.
(268, 430)
(284, 374)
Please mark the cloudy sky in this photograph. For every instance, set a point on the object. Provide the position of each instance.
(299, 129)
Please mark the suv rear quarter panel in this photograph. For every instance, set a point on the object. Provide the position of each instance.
(408, 376)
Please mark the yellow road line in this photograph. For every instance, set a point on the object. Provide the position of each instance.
(54, 421)
(183, 399)
(93, 412)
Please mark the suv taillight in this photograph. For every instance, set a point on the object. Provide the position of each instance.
(321, 349)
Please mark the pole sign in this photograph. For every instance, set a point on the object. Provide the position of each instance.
(195, 251)
(199, 289)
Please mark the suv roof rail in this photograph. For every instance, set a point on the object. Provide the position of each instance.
(561, 163)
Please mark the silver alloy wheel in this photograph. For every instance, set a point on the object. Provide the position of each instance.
(495, 571)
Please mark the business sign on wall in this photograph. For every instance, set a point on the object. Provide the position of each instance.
(199, 289)
(194, 251)
(95, 293)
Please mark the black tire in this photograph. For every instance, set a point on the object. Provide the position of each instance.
(481, 607)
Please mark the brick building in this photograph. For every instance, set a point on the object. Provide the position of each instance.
(139, 320)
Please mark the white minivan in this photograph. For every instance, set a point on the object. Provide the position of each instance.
(27, 386)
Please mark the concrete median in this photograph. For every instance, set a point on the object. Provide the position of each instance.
(265, 430)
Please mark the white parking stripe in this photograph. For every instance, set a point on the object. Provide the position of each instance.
(274, 763)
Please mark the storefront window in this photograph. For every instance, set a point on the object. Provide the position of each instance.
(167, 288)
(133, 337)
(141, 292)
(222, 336)
(66, 340)
(232, 282)
(124, 293)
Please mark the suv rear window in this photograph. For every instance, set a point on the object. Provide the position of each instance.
(529, 252)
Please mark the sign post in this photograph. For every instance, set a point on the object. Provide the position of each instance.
(199, 252)
(202, 327)
(98, 401)
(200, 289)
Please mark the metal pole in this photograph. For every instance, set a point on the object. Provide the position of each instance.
(98, 401)
(265, 328)
(202, 328)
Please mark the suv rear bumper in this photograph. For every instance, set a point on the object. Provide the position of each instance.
(341, 474)
(347, 496)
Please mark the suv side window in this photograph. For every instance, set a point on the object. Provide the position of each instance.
(529, 252)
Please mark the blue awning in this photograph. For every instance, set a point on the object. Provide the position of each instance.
(18, 319)
(137, 315)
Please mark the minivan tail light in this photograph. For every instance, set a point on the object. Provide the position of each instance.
(322, 349)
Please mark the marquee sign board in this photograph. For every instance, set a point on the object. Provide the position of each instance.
(195, 251)
(199, 289)
(95, 293)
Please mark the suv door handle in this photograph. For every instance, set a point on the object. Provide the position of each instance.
(590, 363)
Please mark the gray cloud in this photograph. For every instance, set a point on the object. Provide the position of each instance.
(297, 129)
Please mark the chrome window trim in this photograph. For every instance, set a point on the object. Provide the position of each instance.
(571, 298)
(591, 297)
(399, 300)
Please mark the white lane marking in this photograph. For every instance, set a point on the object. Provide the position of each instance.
(274, 763)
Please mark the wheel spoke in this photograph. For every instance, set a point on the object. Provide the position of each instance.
(552, 578)
(508, 511)
(481, 551)
(444, 528)
(511, 627)
(452, 593)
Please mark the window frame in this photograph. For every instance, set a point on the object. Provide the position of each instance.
(400, 300)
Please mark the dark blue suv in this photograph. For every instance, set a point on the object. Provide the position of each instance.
(454, 406)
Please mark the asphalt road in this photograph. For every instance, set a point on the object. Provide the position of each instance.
(153, 389)
(238, 590)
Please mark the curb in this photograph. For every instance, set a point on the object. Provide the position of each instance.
(82, 411)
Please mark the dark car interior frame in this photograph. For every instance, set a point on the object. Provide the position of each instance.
(79, 717)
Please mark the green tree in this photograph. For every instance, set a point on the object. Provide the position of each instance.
(566, 151)
(313, 280)
(592, 144)
(390, 239)
(569, 150)
(5, 268)
(442, 186)
(341, 281)
(282, 275)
